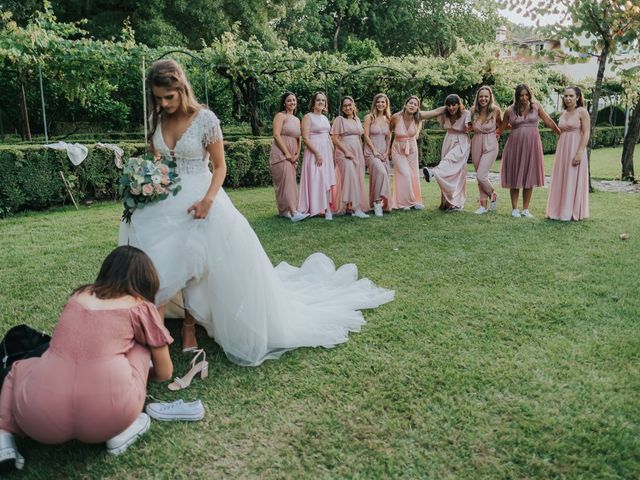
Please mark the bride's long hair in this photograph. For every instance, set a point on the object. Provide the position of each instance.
(169, 74)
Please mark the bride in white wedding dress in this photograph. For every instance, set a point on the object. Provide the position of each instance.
(203, 247)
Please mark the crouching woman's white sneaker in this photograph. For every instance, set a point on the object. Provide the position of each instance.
(178, 410)
(120, 443)
(10, 458)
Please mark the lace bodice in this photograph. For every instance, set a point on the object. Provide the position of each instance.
(190, 151)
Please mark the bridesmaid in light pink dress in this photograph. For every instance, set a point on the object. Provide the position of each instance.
(406, 126)
(451, 172)
(485, 116)
(283, 157)
(377, 140)
(346, 134)
(522, 163)
(569, 189)
(318, 176)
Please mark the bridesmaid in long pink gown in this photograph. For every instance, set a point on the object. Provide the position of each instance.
(91, 384)
(406, 126)
(283, 157)
(377, 140)
(346, 134)
(485, 117)
(522, 163)
(318, 176)
(569, 189)
(451, 172)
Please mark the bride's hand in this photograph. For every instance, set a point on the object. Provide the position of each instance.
(200, 209)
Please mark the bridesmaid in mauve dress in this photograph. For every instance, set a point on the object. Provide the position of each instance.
(377, 139)
(406, 126)
(346, 134)
(485, 116)
(318, 176)
(522, 163)
(283, 157)
(451, 172)
(569, 189)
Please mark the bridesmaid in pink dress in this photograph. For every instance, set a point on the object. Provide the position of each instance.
(406, 126)
(283, 157)
(485, 117)
(522, 163)
(377, 140)
(451, 172)
(569, 189)
(91, 384)
(346, 134)
(318, 176)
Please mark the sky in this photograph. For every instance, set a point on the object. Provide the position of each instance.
(518, 18)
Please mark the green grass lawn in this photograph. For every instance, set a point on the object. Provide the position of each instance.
(605, 163)
(512, 350)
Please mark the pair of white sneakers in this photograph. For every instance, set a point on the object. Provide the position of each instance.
(296, 217)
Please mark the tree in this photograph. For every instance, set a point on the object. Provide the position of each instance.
(631, 82)
(605, 24)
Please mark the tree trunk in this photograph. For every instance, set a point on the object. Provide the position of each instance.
(250, 94)
(597, 89)
(25, 113)
(629, 144)
(335, 38)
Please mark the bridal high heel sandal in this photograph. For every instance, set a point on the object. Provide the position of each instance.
(201, 367)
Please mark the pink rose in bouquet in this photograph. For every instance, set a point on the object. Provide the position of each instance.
(147, 189)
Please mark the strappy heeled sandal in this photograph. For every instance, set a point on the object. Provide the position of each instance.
(201, 367)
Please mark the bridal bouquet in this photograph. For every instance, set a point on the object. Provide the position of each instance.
(146, 180)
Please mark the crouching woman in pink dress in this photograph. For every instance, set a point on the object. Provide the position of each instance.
(91, 384)
(569, 189)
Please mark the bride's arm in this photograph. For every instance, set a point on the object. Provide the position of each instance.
(216, 153)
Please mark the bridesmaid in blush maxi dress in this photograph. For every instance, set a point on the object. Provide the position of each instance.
(377, 137)
(569, 189)
(522, 163)
(283, 157)
(451, 172)
(406, 126)
(318, 176)
(485, 116)
(346, 134)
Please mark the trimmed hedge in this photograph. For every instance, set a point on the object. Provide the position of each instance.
(30, 179)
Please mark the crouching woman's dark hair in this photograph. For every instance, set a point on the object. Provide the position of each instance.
(126, 271)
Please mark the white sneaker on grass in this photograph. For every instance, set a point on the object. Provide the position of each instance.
(286, 215)
(10, 457)
(176, 411)
(120, 443)
(360, 214)
(526, 213)
(377, 209)
(418, 206)
(297, 216)
(328, 215)
(515, 213)
(481, 211)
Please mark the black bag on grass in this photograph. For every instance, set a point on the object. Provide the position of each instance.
(21, 342)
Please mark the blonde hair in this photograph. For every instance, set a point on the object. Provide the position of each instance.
(491, 106)
(169, 74)
(374, 111)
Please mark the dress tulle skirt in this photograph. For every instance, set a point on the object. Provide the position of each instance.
(254, 311)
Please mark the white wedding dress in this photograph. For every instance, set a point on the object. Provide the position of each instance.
(253, 311)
